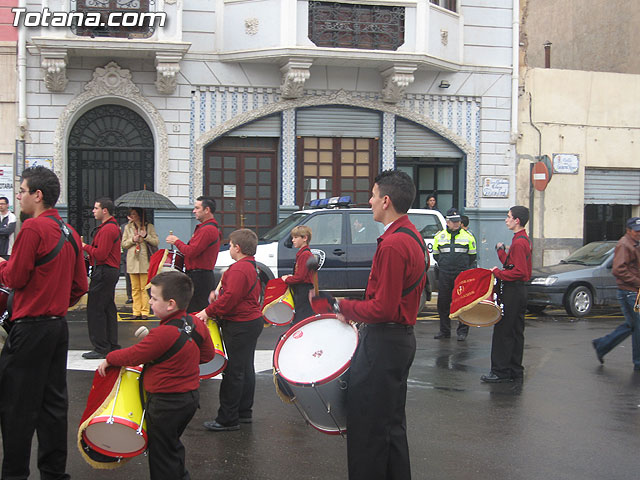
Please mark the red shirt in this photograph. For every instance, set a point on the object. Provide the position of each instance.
(49, 289)
(202, 250)
(238, 301)
(105, 248)
(519, 256)
(178, 374)
(397, 264)
(301, 274)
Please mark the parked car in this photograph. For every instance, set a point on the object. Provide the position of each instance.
(344, 240)
(577, 283)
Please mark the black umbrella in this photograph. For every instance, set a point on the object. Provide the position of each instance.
(145, 199)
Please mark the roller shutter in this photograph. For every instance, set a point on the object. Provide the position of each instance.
(417, 141)
(605, 187)
(338, 122)
(263, 127)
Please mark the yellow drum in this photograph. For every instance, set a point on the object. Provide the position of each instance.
(118, 430)
(218, 363)
(278, 304)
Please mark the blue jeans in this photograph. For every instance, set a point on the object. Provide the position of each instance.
(631, 326)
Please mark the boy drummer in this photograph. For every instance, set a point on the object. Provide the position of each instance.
(302, 279)
(171, 383)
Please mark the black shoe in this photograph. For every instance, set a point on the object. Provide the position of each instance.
(441, 335)
(493, 378)
(214, 426)
(129, 300)
(245, 420)
(462, 337)
(600, 357)
(93, 355)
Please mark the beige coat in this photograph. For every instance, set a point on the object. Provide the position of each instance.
(138, 262)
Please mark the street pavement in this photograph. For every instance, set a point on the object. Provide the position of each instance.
(571, 418)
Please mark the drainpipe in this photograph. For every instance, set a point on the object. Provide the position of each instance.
(22, 76)
(547, 54)
(515, 28)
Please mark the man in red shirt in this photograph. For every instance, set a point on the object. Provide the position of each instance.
(238, 311)
(201, 253)
(47, 274)
(507, 345)
(171, 353)
(104, 253)
(376, 396)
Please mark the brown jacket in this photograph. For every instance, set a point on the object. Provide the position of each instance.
(626, 264)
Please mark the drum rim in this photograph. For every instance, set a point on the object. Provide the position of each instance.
(486, 301)
(122, 421)
(206, 376)
(297, 326)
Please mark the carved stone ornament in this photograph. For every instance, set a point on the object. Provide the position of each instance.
(395, 82)
(167, 68)
(54, 65)
(251, 26)
(112, 84)
(444, 37)
(294, 75)
(169, 2)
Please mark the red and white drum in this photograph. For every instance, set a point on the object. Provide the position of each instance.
(312, 359)
(173, 261)
(483, 314)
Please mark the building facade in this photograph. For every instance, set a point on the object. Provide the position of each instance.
(268, 104)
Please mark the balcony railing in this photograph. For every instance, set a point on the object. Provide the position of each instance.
(130, 15)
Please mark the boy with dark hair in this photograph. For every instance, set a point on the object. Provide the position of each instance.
(171, 383)
(238, 311)
(301, 282)
(33, 363)
(507, 344)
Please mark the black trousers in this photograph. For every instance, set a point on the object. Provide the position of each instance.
(168, 415)
(33, 397)
(301, 301)
(377, 446)
(102, 316)
(507, 344)
(446, 282)
(202, 286)
(239, 377)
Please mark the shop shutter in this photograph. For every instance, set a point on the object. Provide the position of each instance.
(263, 127)
(606, 187)
(414, 140)
(338, 122)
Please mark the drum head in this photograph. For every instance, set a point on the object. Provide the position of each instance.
(278, 314)
(316, 350)
(484, 314)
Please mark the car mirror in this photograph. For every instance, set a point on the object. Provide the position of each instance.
(288, 242)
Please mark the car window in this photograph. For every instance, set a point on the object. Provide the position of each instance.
(363, 228)
(325, 229)
(427, 225)
(283, 228)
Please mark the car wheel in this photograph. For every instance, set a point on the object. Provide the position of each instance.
(579, 301)
(536, 308)
(423, 301)
(264, 278)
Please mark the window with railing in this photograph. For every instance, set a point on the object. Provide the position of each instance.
(448, 4)
(348, 25)
(114, 18)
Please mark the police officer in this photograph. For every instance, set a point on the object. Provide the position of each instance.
(455, 251)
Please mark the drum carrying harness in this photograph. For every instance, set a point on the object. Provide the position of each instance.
(409, 289)
(187, 333)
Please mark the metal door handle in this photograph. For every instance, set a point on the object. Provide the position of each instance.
(339, 251)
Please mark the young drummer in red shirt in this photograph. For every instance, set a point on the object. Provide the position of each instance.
(172, 384)
(240, 316)
(302, 279)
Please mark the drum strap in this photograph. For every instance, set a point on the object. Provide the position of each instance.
(187, 332)
(213, 225)
(65, 235)
(409, 289)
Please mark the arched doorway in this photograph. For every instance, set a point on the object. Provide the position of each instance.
(110, 153)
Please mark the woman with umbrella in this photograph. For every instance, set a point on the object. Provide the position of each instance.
(139, 240)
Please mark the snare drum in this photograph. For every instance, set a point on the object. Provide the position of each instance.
(173, 261)
(118, 430)
(312, 358)
(483, 314)
(219, 361)
(278, 306)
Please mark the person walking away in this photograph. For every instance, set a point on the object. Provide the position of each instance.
(507, 344)
(33, 363)
(139, 239)
(626, 270)
(104, 254)
(171, 353)
(201, 253)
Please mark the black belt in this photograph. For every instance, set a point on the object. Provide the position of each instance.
(44, 318)
(389, 325)
(104, 265)
(198, 270)
(514, 283)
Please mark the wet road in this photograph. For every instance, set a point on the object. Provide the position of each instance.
(571, 418)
